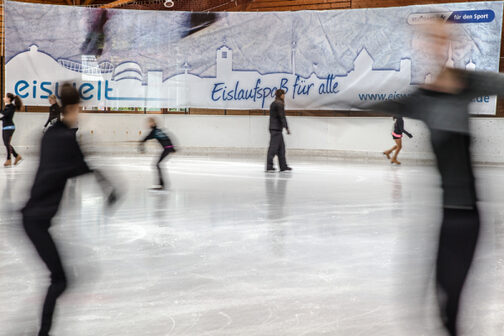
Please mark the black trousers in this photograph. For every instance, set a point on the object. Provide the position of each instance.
(457, 244)
(163, 155)
(38, 232)
(276, 148)
(7, 137)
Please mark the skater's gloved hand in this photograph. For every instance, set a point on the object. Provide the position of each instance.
(410, 136)
(288, 131)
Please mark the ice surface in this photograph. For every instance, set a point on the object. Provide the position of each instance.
(335, 248)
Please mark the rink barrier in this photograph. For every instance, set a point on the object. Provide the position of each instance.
(347, 138)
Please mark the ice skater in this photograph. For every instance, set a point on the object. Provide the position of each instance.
(60, 159)
(277, 123)
(443, 106)
(165, 142)
(397, 135)
(54, 112)
(12, 104)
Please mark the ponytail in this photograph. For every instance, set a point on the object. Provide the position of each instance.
(16, 101)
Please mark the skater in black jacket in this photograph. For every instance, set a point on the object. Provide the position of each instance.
(12, 104)
(165, 142)
(54, 112)
(277, 123)
(443, 106)
(60, 159)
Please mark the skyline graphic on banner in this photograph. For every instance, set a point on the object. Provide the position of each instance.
(321, 42)
(328, 60)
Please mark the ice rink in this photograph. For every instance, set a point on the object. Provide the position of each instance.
(333, 248)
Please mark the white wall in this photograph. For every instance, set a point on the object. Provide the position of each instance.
(337, 136)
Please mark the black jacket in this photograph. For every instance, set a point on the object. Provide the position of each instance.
(447, 117)
(8, 115)
(161, 137)
(54, 113)
(399, 127)
(60, 159)
(277, 116)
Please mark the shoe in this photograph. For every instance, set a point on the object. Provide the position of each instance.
(18, 159)
(395, 162)
(7, 163)
(270, 170)
(387, 155)
(286, 169)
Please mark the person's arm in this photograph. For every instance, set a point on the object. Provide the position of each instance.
(281, 113)
(80, 167)
(58, 114)
(408, 134)
(390, 107)
(483, 83)
(406, 107)
(77, 165)
(141, 145)
(7, 112)
(149, 136)
(48, 120)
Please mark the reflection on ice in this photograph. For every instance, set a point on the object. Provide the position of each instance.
(334, 248)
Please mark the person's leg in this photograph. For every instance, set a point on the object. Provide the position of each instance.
(457, 243)
(38, 232)
(281, 154)
(397, 150)
(13, 151)
(388, 152)
(273, 148)
(158, 166)
(6, 136)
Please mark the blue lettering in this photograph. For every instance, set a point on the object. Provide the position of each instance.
(300, 88)
(107, 89)
(330, 86)
(230, 95)
(20, 87)
(215, 90)
(321, 89)
(283, 85)
(84, 89)
(56, 90)
(46, 90)
(236, 90)
(34, 89)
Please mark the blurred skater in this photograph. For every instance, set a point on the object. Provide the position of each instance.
(443, 106)
(95, 39)
(278, 122)
(60, 159)
(12, 104)
(397, 135)
(167, 145)
(54, 112)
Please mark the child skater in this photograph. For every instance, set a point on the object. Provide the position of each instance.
(12, 104)
(60, 159)
(165, 142)
(397, 134)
